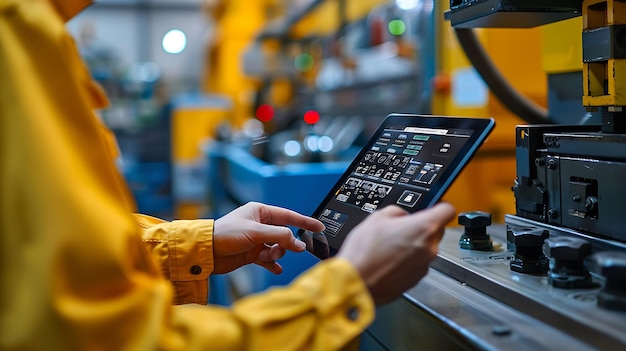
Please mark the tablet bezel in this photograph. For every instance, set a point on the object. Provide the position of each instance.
(482, 127)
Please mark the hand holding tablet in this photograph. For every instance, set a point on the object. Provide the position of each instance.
(409, 162)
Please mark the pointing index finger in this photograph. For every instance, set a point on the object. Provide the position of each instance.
(281, 216)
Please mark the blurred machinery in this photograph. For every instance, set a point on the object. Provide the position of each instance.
(325, 73)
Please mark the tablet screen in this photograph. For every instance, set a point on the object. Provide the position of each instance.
(410, 161)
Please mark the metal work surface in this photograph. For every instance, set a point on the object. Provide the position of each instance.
(441, 313)
(569, 313)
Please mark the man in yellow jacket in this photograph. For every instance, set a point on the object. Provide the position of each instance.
(79, 271)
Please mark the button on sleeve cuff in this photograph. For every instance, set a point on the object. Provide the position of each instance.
(191, 250)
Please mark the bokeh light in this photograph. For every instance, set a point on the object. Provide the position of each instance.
(325, 143)
(174, 41)
(303, 62)
(397, 27)
(265, 113)
(311, 143)
(311, 116)
(253, 128)
(292, 148)
(407, 4)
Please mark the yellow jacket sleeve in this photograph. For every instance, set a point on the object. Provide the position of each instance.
(184, 252)
(74, 269)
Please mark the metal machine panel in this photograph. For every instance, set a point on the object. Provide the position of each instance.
(596, 145)
(534, 197)
(583, 172)
(590, 201)
(510, 13)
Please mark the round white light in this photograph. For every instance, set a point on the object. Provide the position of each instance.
(407, 4)
(292, 148)
(253, 128)
(311, 142)
(325, 143)
(174, 41)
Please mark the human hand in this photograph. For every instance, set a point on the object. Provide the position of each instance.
(257, 233)
(391, 248)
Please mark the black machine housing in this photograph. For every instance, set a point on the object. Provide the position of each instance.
(510, 13)
(571, 176)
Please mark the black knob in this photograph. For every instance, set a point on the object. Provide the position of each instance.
(475, 236)
(612, 266)
(591, 202)
(553, 213)
(529, 257)
(567, 269)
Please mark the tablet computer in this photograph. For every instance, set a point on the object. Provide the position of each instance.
(410, 161)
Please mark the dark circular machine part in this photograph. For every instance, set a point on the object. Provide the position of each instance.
(529, 257)
(475, 236)
(499, 86)
(612, 266)
(567, 269)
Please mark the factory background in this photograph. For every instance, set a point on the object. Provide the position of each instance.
(348, 61)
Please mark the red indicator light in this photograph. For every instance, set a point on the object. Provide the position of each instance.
(265, 113)
(311, 117)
